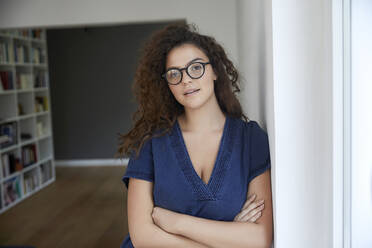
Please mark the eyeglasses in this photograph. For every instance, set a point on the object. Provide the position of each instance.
(194, 70)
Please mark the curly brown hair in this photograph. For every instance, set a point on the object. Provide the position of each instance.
(157, 107)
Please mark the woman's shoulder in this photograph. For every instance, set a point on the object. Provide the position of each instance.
(246, 125)
(251, 131)
(160, 135)
(251, 126)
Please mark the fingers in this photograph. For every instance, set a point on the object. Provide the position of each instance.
(249, 211)
(255, 218)
(252, 206)
(247, 216)
(253, 215)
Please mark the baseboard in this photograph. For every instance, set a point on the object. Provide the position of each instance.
(92, 162)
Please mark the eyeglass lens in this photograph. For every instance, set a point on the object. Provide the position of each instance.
(194, 70)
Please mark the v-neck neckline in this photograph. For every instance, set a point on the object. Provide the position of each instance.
(218, 152)
(205, 191)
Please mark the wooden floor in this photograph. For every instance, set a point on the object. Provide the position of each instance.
(84, 207)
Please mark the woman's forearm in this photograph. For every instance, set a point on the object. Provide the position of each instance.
(221, 233)
(153, 236)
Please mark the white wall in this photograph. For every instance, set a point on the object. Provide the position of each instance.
(302, 78)
(214, 17)
(361, 125)
(255, 57)
(339, 122)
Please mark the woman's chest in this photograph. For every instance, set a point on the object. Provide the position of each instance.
(203, 151)
(178, 188)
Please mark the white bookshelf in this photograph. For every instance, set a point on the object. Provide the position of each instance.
(25, 106)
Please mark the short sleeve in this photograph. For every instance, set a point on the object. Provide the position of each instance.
(259, 150)
(141, 167)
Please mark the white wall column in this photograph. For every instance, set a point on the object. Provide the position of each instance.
(361, 123)
(302, 78)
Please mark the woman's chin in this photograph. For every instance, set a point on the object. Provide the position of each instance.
(193, 105)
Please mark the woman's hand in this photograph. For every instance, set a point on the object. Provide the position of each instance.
(251, 211)
(166, 219)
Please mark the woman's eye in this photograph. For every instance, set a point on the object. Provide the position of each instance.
(173, 74)
(196, 67)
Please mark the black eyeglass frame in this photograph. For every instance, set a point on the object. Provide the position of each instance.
(187, 71)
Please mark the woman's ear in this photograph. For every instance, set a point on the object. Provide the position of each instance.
(214, 75)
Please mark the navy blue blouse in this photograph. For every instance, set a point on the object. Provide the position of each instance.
(243, 154)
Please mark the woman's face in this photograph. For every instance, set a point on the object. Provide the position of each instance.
(180, 57)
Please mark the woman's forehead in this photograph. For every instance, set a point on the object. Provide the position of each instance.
(180, 56)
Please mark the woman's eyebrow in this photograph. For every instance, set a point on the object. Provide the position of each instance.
(187, 63)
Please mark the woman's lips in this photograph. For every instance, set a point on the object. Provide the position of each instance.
(192, 93)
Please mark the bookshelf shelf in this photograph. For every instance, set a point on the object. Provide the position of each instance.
(26, 143)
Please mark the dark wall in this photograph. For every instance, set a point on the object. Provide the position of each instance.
(91, 73)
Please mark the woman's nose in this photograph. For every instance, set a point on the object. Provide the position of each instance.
(185, 77)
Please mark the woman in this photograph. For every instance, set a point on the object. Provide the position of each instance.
(196, 167)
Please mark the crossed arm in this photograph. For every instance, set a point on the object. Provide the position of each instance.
(151, 226)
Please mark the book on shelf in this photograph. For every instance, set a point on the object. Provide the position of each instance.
(4, 138)
(40, 130)
(40, 79)
(10, 130)
(29, 155)
(6, 52)
(24, 81)
(4, 57)
(25, 33)
(26, 136)
(20, 109)
(38, 55)
(37, 34)
(11, 190)
(35, 55)
(21, 53)
(30, 181)
(41, 103)
(6, 78)
(10, 164)
(46, 171)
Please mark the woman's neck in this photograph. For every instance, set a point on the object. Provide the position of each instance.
(209, 117)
